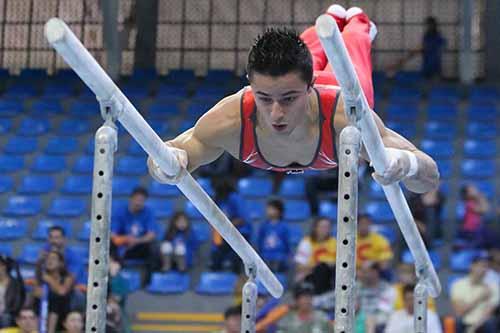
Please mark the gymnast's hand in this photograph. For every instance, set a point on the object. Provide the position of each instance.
(398, 169)
(160, 176)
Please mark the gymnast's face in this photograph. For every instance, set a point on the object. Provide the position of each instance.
(282, 101)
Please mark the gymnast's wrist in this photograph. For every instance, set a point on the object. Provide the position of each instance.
(412, 157)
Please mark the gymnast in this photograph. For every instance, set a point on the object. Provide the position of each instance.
(290, 117)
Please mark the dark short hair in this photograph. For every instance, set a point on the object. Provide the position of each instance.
(278, 204)
(25, 308)
(408, 288)
(364, 216)
(139, 190)
(56, 228)
(279, 51)
(232, 311)
(303, 288)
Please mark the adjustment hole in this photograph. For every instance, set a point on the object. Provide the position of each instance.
(344, 264)
(96, 262)
(346, 219)
(101, 173)
(248, 316)
(93, 329)
(419, 318)
(98, 239)
(99, 217)
(347, 196)
(345, 242)
(347, 174)
(102, 150)
(94, 307)
(347, 151)
(99, 195)
(344, 287)
(96, 284)
(343, 310)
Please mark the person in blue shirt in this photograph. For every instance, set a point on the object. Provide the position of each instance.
(178, 244)
(231, 203)
(56, 241)
(133, 231)
(272, 240)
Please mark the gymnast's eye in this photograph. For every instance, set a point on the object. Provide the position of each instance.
(289, 100)
(266, 100)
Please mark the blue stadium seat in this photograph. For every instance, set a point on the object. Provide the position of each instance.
(169, 283)
(380, 211)
(375, 191)
(60, 145)
(36, 184)
(479, 130)
(43, 107)
(385, 230)
(11, 229)
(134, 149)
(33, 74)
(49, 164)
(67, 207)
(255, 209)
(72, 127)
(442, 112)
(486, 186)
(11, 163)
(161, 128)
(20, 145)
(295, 234)
(43, 226)
(480, 149)
(89, 147)
(181, 76)
(407, 258)
(461, 261)
(484, 94)
(84, 164)
(255, 187)
(405, 95)
(6, 249)
(219, 76)
(212, 283)
(162, 190)
(408, 130)
(440, 130)
(445, 168)
(206, 184)
(57, 90)
(162, 208)
(401, 112)
(293, 187)
(85, 108)
(33, 127)
(408, 78)
(124, 185)
(5, 125)
(167, 91)
(438, 149)
(20, 90)
(6, 183)
(482, 112)
(196, 109)
(296, 210)
(133, 278)
(135, 92)
(191, 211)
(163, 109)
(210, 92)
(328, 209)
(144, 74)
(476, 169)
(22, 206)
(128, 165)
(30, 253)
(10, 107)
(84, 232)
(80, 251)
(201, 231)
(444, 94)
(77, 185)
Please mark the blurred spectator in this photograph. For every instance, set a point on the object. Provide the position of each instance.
(231, 204)
(406, 276)
(493, 274)
(315, 257)
(52, 272)
(372, 246)
(117, 284)
(73, 323)
(12, 292)
(433, 44)
(375, 296)
(26, 322)
(133, 231)
(114, 316)
(324, 181)
(474, 301)
(178, 244)
(303, 317)
(269, 313)
(427, 209)
(57, 242)
(232, 320)
(476, 205)
(403, 321)
(272, 240)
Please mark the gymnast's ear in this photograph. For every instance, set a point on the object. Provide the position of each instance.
(310, 85)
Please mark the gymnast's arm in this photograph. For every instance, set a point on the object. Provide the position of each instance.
(215, 132)
(427, 176)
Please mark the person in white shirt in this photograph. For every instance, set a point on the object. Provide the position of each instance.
(402, 320)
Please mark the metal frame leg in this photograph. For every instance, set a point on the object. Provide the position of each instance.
(347, 218)
(249, 301)
(420, 308)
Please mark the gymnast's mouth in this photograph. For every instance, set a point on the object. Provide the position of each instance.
(279, 127)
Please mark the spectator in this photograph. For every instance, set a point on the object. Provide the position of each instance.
(272, 240)
(315, 257)
(303, 317)
(12, 292)
(427, 209)
(133, 231)
(178, 244)
(372, 246)
(52, 272)
(324, 181)
(406, 275)
(493, 274)
(403, 321)
(26, 322)
(117, 284)
(73, 323)
(114, 316)
(375, 296)
(232, 320)
(474, 301)
(476, 205)
(56, 241)
(230, 203)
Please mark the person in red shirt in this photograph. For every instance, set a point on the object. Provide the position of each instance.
(290, 117)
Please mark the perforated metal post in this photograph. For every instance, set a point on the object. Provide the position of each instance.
(97, 284)
(420, 308)
(347, 218)
(249, 301)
